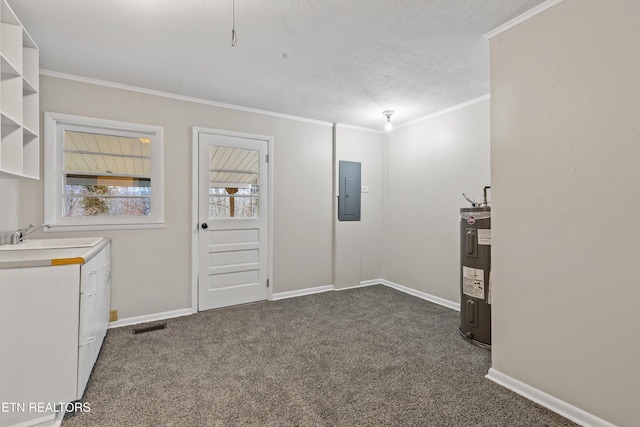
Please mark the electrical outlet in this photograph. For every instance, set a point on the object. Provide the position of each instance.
(113, 315)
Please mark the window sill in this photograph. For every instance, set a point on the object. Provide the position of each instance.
(100, 227)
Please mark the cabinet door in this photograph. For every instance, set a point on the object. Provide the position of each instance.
(95, 304)
(88, 299)
(38, 337)
(87, 350)
(104, 295)
(87, 332)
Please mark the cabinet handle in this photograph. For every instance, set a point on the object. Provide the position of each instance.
(90, 294)
(89, 340)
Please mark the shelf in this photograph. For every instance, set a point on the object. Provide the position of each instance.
(8, 121)
(27, 41)
(29, 133)
(28, 87)
(19, 98)
(11, 44)
(31, 155)
(11, 144)
(7, 15)
(7, 67)
(31, 112)
(30, 68)
(11, 97)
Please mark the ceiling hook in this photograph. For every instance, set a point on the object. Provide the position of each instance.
(234, 38)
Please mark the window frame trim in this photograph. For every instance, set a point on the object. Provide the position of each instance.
(55, 125)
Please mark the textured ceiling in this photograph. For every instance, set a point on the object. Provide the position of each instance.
(341, 61)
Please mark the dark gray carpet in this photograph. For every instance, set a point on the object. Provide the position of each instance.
(363, 357)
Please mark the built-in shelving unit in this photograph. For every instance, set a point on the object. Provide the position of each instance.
(19, 99)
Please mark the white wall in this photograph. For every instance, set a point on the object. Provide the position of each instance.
(358, 242)
(439, 158)
(415, 179)
(152, 268)
(426, 168)
(302, 223)
(9, 207)
(565, 156)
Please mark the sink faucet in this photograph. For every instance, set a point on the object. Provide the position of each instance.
(19, 235)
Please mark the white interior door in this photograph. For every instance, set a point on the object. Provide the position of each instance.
(232, 211)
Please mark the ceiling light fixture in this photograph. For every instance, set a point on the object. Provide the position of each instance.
(234, 39)
(387, 114)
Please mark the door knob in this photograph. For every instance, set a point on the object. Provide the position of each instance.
(204, 226)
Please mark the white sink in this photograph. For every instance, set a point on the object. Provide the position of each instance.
(73, 242)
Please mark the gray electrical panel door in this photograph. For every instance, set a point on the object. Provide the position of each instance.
(349, 191)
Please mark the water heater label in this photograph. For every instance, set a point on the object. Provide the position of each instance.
(484, 236)
(473, 282)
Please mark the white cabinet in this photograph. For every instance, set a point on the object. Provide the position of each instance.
(95, 304)
(19, 99)
(38, 338)
(52, 323)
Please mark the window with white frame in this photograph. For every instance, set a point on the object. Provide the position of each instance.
(102, 174)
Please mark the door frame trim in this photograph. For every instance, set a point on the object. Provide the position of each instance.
(195, 263)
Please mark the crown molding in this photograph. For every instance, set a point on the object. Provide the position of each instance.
(105, 83)
(520, 19)
(441, 112)
(340, 125)
(146, 91)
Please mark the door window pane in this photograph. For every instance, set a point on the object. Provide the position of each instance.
(234, 176)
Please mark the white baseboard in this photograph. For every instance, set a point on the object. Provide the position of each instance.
(150, 318)
(292, 294)
(301, 292)
(558, 406)
(51, 420)
(59, 418)
(362, 284)
(423, 295)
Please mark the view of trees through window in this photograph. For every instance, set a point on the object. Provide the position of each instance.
(106, 175)
(234, 176)
(100, 200)
(234, 202)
